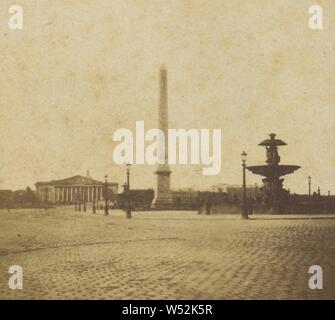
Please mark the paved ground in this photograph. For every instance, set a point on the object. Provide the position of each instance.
(164, 255)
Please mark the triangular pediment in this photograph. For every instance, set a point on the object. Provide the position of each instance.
(78, 180)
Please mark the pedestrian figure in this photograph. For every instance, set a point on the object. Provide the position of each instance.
(128, 211)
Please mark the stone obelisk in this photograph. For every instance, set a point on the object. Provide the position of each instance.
(163, 197)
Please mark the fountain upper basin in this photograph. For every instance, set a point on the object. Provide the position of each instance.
(269, 170)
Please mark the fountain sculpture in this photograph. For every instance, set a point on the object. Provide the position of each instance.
(274, 194)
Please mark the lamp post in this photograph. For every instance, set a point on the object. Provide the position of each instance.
(106, 195)
(309, 185)
(244, 205)
(128, 174)
(128, 191)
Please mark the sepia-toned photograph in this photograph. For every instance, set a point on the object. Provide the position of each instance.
(167, 150)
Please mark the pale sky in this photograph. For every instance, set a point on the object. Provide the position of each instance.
(80, 69)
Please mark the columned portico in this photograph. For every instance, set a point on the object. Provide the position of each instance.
(71, 190)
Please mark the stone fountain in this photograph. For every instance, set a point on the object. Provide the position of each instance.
(274, 194)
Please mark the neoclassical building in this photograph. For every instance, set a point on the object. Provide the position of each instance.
(72, 189)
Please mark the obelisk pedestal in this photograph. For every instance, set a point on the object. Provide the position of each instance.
(163, 198)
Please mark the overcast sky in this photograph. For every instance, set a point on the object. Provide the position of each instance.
(81, 69)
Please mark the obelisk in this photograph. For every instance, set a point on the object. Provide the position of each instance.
(163, 197)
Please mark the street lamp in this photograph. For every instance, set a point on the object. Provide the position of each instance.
(244, 205)
(309, 185)
(106, 195)
(128, 191)
(128, 174)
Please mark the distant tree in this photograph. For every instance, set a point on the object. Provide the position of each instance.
(24, 197)
(30, 196)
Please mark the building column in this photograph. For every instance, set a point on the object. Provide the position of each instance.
(73, 194)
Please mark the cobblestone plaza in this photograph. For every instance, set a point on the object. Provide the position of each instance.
(164, 255)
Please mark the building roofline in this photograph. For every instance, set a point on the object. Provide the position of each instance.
(86, 180)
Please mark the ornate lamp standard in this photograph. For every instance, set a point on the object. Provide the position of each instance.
(128, 174)
(128, 191)
(106, 195)
(309, 185)
(244, 203)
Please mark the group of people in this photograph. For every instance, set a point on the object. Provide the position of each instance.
(207, 205)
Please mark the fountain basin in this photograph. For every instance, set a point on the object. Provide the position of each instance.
(270, 170)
